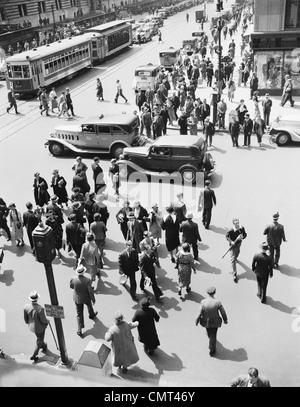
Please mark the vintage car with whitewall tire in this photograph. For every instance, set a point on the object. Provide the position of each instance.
(183, 158)
(107, 134)
(284, 132)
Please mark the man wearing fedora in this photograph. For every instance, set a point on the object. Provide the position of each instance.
(207, 199)
(190, 233)
(262, 267)
(75, 234)
(129, 265)
(35, 318)
(135, 231)
(209, 317)
(147, 266)
(83, 294)
(275, 235)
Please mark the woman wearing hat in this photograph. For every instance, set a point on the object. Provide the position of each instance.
(124, 353)
(155, 220)
(90, 256)
(146, 318)
(40, 188)
(122, 218)
(171, 227)
(54, 222)
(58, 183)
(185, 265)
(16, 224)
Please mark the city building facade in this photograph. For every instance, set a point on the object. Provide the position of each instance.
(276, 44)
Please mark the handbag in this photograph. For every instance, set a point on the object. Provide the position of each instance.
(123, 279)
(147, 282)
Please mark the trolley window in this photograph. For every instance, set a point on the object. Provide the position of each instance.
(18, 71)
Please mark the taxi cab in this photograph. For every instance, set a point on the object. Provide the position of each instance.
(182, 157)
(145, 34)
(168, 57)
(145, 75)
(108, 134)
(190, 46)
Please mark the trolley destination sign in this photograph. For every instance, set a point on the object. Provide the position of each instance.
(55, 311)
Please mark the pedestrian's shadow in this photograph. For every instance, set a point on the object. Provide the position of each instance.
(206, 268)
(165, 280)
(18, 251)
(203, 247)
(248, 274)
(111, 265)
(114, 246)
(49, 357)
(192, 296)
(164, 362)
(98, 331)
(217, 149)
(278, 305)
(236, 355)
(221, 231)
(106, 288)
(7, 277)
(289, 271)
(165, 304)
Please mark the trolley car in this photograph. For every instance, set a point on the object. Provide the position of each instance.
(45, 65)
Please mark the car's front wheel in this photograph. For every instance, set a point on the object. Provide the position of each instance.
(283, 138)
(56, 149)
(188, 175)
(116, 150)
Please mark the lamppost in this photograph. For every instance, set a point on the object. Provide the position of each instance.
(45, 253)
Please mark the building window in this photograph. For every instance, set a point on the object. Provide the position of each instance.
(73, 3)
(292, 14)
(2, 14)
(269, 69)
(58, 4)
(42, 7)
(22, 10)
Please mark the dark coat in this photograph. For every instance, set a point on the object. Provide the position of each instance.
(146, 328)
(81, 182)
(123, 220)
(59, 189)
(75, 234)
(183, 124)
(41, 194)
(262, 265)
(242, 381)
(248, 126)
(143, 217)
(30, 221)
(128, 263)
(172, 233)
(135, 234)
(190, 232)
(56, 209)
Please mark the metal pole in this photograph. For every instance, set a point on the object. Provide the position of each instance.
(220, 59)
(57, 321)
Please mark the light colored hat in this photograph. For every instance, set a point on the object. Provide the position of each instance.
(211, 290)
(276, 215)
(264, 246)
(119, 316)
(130, 215)
(34, 296)
(80, 269)
(54, 198)
(189, 216)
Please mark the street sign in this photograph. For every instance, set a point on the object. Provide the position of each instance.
(55, 311)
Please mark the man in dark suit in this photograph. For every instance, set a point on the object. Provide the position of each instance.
(4, 210)
(179, 208)
(252, 379)
(209, 318)
(75, 234)
(235, 236)
(247, 128)
(91, 207)
(30, 221)
(147, 266)
(135, 231)
(35, 318)
(190, 233)
(128, 265)
(83, 294)
(98, 176)
(275, 236)
(207, 199)
(262, 267)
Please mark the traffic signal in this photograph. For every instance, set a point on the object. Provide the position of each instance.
(219, 5)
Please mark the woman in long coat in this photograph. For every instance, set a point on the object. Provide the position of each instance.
(54, 223)
(171, 226)
(146, 318)
(40, 188)
(185, 265)
(124, 353)
(58, 183)
(155, 218)
(122, 218)
(16, 224)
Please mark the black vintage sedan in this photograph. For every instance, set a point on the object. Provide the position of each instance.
(182, 156)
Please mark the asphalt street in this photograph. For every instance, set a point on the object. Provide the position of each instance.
(250, 184)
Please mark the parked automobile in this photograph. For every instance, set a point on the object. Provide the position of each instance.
(145, 75)
(190, 45)
(152, 26)
(182, 157)
(145, 34)
(158, 20)
(283, 132)
(169, 57)
(108, 134)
